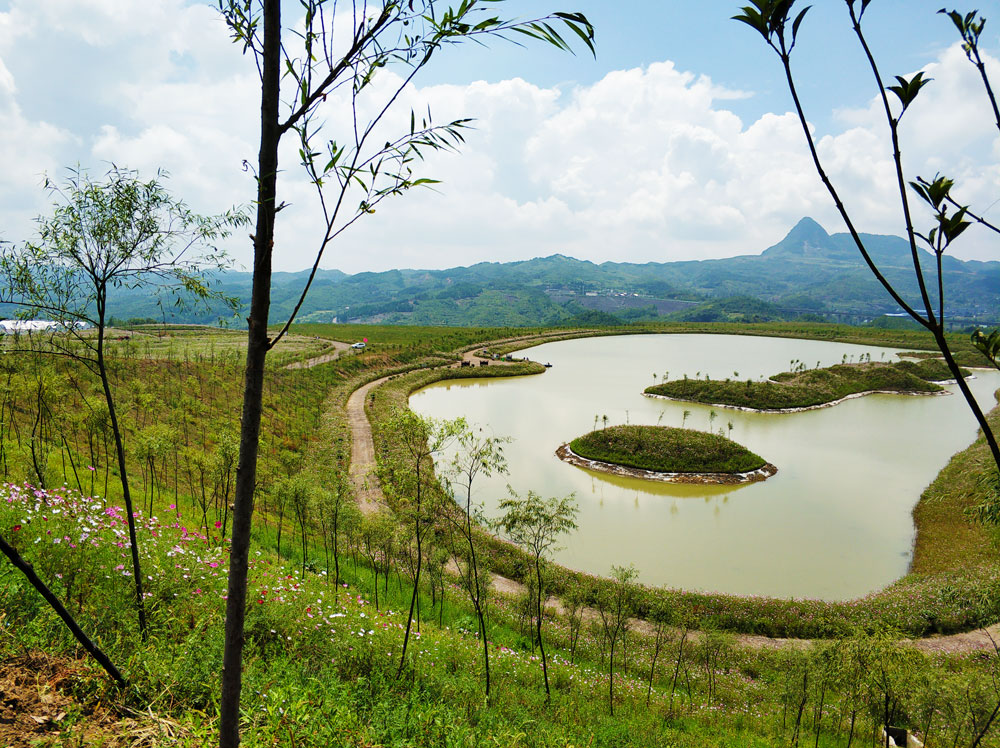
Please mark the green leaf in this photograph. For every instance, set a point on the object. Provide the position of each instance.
(753, 18)
(935, 193)
(580, 26)
(906, 90)
(953, 226)
(798, 21)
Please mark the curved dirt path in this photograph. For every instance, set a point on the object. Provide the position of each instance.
(362, 474)
(338, 349)
(370, 498)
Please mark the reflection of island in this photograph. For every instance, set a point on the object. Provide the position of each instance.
(671, 455)
(657, 489)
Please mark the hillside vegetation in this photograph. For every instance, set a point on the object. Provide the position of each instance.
(808, 275)
(323, 659)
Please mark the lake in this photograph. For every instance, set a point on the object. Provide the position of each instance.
(834, 523)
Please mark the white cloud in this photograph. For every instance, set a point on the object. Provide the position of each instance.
(644, 164)
(28, 149)
(950, 129)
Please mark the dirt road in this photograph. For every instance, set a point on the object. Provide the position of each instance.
(326, 358)
(366, 485)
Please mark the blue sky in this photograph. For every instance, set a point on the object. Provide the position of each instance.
(701, 37)
(674, 143)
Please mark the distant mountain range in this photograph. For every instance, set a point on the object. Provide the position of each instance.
(809, 274)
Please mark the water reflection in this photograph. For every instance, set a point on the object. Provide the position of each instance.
(657, 488)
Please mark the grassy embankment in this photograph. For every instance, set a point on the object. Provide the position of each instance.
(666, 450)
(324, 673)
(321, 662)
(809, 388)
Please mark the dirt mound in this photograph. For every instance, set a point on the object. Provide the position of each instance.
(37, 705)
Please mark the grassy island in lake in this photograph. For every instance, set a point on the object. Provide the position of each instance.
(810, 388)
(667, 450)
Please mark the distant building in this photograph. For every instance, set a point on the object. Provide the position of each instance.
(14, 326)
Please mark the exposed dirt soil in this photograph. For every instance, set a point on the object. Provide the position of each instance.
(42, 703)
(37, 705)
(366, 485)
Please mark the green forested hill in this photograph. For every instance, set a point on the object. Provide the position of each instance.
(808, 273)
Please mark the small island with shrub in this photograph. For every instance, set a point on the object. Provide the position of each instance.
(663, 453)
(807, 389)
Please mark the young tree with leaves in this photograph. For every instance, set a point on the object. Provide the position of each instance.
(778, 23)
(661, 616)
(352, 174)
(479, 454)
(113, 233)
(300, 494)
(618, 606)
(536, 524)
(418, 440)
(333, 507)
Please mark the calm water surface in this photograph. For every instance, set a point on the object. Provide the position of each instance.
(834, 523)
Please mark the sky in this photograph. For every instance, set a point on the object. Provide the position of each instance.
(675, 142)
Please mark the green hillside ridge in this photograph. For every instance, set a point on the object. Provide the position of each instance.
(809, 274)
(666, 449)
(809, 387)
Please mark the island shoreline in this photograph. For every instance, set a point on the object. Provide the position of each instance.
(566, 454)
(801, 409)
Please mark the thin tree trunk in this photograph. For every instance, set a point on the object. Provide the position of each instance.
(986, 726)
(416, 584)
(336, 563)
(611, 675)
(477, 601)
(257, 345)
(969, 397)
(123, 475)
(72, 464)
(652, 667)
(677, 668)
(541, 646)
(802, 706)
